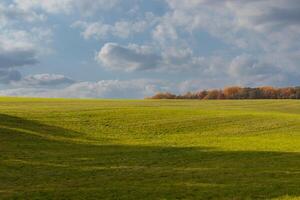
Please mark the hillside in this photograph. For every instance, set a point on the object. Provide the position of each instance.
(149, 149)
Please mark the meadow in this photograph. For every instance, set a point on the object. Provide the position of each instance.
(149, 149)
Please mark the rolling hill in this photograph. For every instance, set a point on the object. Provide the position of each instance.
(149, 149)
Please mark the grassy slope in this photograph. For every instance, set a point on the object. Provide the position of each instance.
(151, 149)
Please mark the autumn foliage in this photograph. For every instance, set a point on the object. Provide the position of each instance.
(235, 92)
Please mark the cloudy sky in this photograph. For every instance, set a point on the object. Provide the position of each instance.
(134, 48)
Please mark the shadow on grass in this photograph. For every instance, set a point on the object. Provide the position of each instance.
(12, 122)
(32, 167)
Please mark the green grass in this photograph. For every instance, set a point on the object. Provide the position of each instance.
(149, 149)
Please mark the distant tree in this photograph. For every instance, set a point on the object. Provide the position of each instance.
(268, 92)
(235, 92)
(286, 93)
(213, 94)
(165, 95)
(245, 93)
(297, 92)
(189, 95)
(232, 92)
(202, 94)
(254, 93)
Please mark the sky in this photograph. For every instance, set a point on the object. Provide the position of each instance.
(136, 48)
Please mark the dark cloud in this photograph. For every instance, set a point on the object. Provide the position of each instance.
(279, 17)
(7, 76)
(17, 58)
(45, 80)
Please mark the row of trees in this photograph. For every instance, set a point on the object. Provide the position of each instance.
(237, 93)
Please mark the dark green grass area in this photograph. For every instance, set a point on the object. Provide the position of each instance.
(71, 149)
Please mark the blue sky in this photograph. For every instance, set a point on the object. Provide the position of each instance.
(135, 48)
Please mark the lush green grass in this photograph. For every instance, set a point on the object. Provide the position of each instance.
(148, 149)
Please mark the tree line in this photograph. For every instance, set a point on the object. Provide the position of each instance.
(236, 93)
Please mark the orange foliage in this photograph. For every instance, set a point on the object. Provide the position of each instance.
(235, 92)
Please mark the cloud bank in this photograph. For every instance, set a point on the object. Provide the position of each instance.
(181, 44)
(138, 88)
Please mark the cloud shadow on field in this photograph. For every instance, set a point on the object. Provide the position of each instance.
(35, 167)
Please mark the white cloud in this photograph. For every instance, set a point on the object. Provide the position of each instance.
(265, 30)
(16, 49)
(66, 6)
(51, 6)
(102, 89)
(249, 70)
(128, 58)
(261, 37)
(268, 24)
(101, 31)
(20, 47)
(170, 59)
(192, 85)
(21, 42)
(112, 89)
(122, 29)
(164, 33)
(246, 65)
(10, 13)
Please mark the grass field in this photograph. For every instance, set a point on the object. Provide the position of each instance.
(149, 149)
